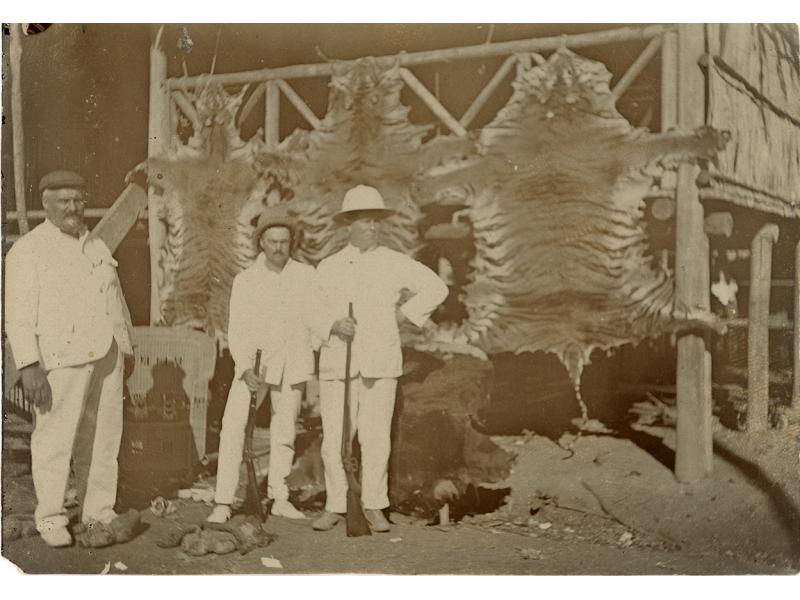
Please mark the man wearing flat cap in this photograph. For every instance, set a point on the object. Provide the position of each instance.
(68, 326)
(267, 313)
(377, 281)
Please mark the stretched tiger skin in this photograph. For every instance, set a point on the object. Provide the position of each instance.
(553, 190)
(555, 195)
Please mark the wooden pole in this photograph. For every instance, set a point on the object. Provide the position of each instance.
(669, 80)
(758, 328)
(487, 91)
(157, 143)
(637, 67)
(298, 103)
(15, 58)
(273, 115)
(187, 109)
(581, 40)
(796, 325)
(251, 103)
(432, 103)
(694, 448)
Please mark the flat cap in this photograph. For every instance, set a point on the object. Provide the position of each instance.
(61, 179)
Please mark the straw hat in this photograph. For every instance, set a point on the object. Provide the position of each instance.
(360, 200)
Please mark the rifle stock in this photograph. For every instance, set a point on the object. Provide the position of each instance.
(356, 521)
(252, 503)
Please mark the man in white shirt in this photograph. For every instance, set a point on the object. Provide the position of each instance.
(377, 281)
(68, 326)
(267, 313)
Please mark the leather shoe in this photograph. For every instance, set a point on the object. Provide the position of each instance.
(284, 508)
(328, 520)
(377, 521)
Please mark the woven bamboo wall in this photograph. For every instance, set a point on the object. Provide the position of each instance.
(760, 107)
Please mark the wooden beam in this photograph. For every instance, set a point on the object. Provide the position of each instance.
(251, 102)
(487, 91)
(157, 143)
(581, 40)
(669, 80)
(431, 102)
(758, 328)
(121, 216)
(15, 64)
(272, 116)
(796, 370)
(694, 449)
(298, 103)
(187, 108)
(637, 67)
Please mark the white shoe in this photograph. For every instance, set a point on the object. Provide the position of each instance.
(56, 536)
(220, 514)
(284, 508)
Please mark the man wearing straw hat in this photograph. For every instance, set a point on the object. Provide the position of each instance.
(266, 312)
(68, 326)
(377, 281)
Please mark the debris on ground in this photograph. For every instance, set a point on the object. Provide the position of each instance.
(106, 569)
(197, 494)
(203, 541)
(120, 566)
(531, 553)
(161, 507)
(271, 562)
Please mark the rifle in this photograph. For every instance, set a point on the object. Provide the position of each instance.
(356, 521)
(252, 503)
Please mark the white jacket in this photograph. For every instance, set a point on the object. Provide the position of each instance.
(267, 311)
(373, 282)
(63, 301)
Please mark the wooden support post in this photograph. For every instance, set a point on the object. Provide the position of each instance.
(157, 143)
(187, 109)
(694, 447)
(637, 67)
(487, 91)
(15, 64)
(432, 103)
(251, 103)
(669, 80)
(444, 515)
(758, 328)
(796, 325)
(298, 103)
(272, 116)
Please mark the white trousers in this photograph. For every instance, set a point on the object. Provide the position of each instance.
(84, 423)
(285, 401)
(371, 409)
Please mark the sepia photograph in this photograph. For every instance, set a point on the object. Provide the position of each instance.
(401, 298)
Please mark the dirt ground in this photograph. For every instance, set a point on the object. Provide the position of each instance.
(593, 504)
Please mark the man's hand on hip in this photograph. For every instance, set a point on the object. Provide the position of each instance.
(36, 387)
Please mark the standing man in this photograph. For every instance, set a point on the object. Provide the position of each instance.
(266, 312)
(68, 326)
(376, 280)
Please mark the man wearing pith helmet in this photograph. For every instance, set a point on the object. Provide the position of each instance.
(68, 327)
(266, 313)
(372, 278)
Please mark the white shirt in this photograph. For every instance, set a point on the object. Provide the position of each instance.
(63, 302)
(267, 311)
(373, 282)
